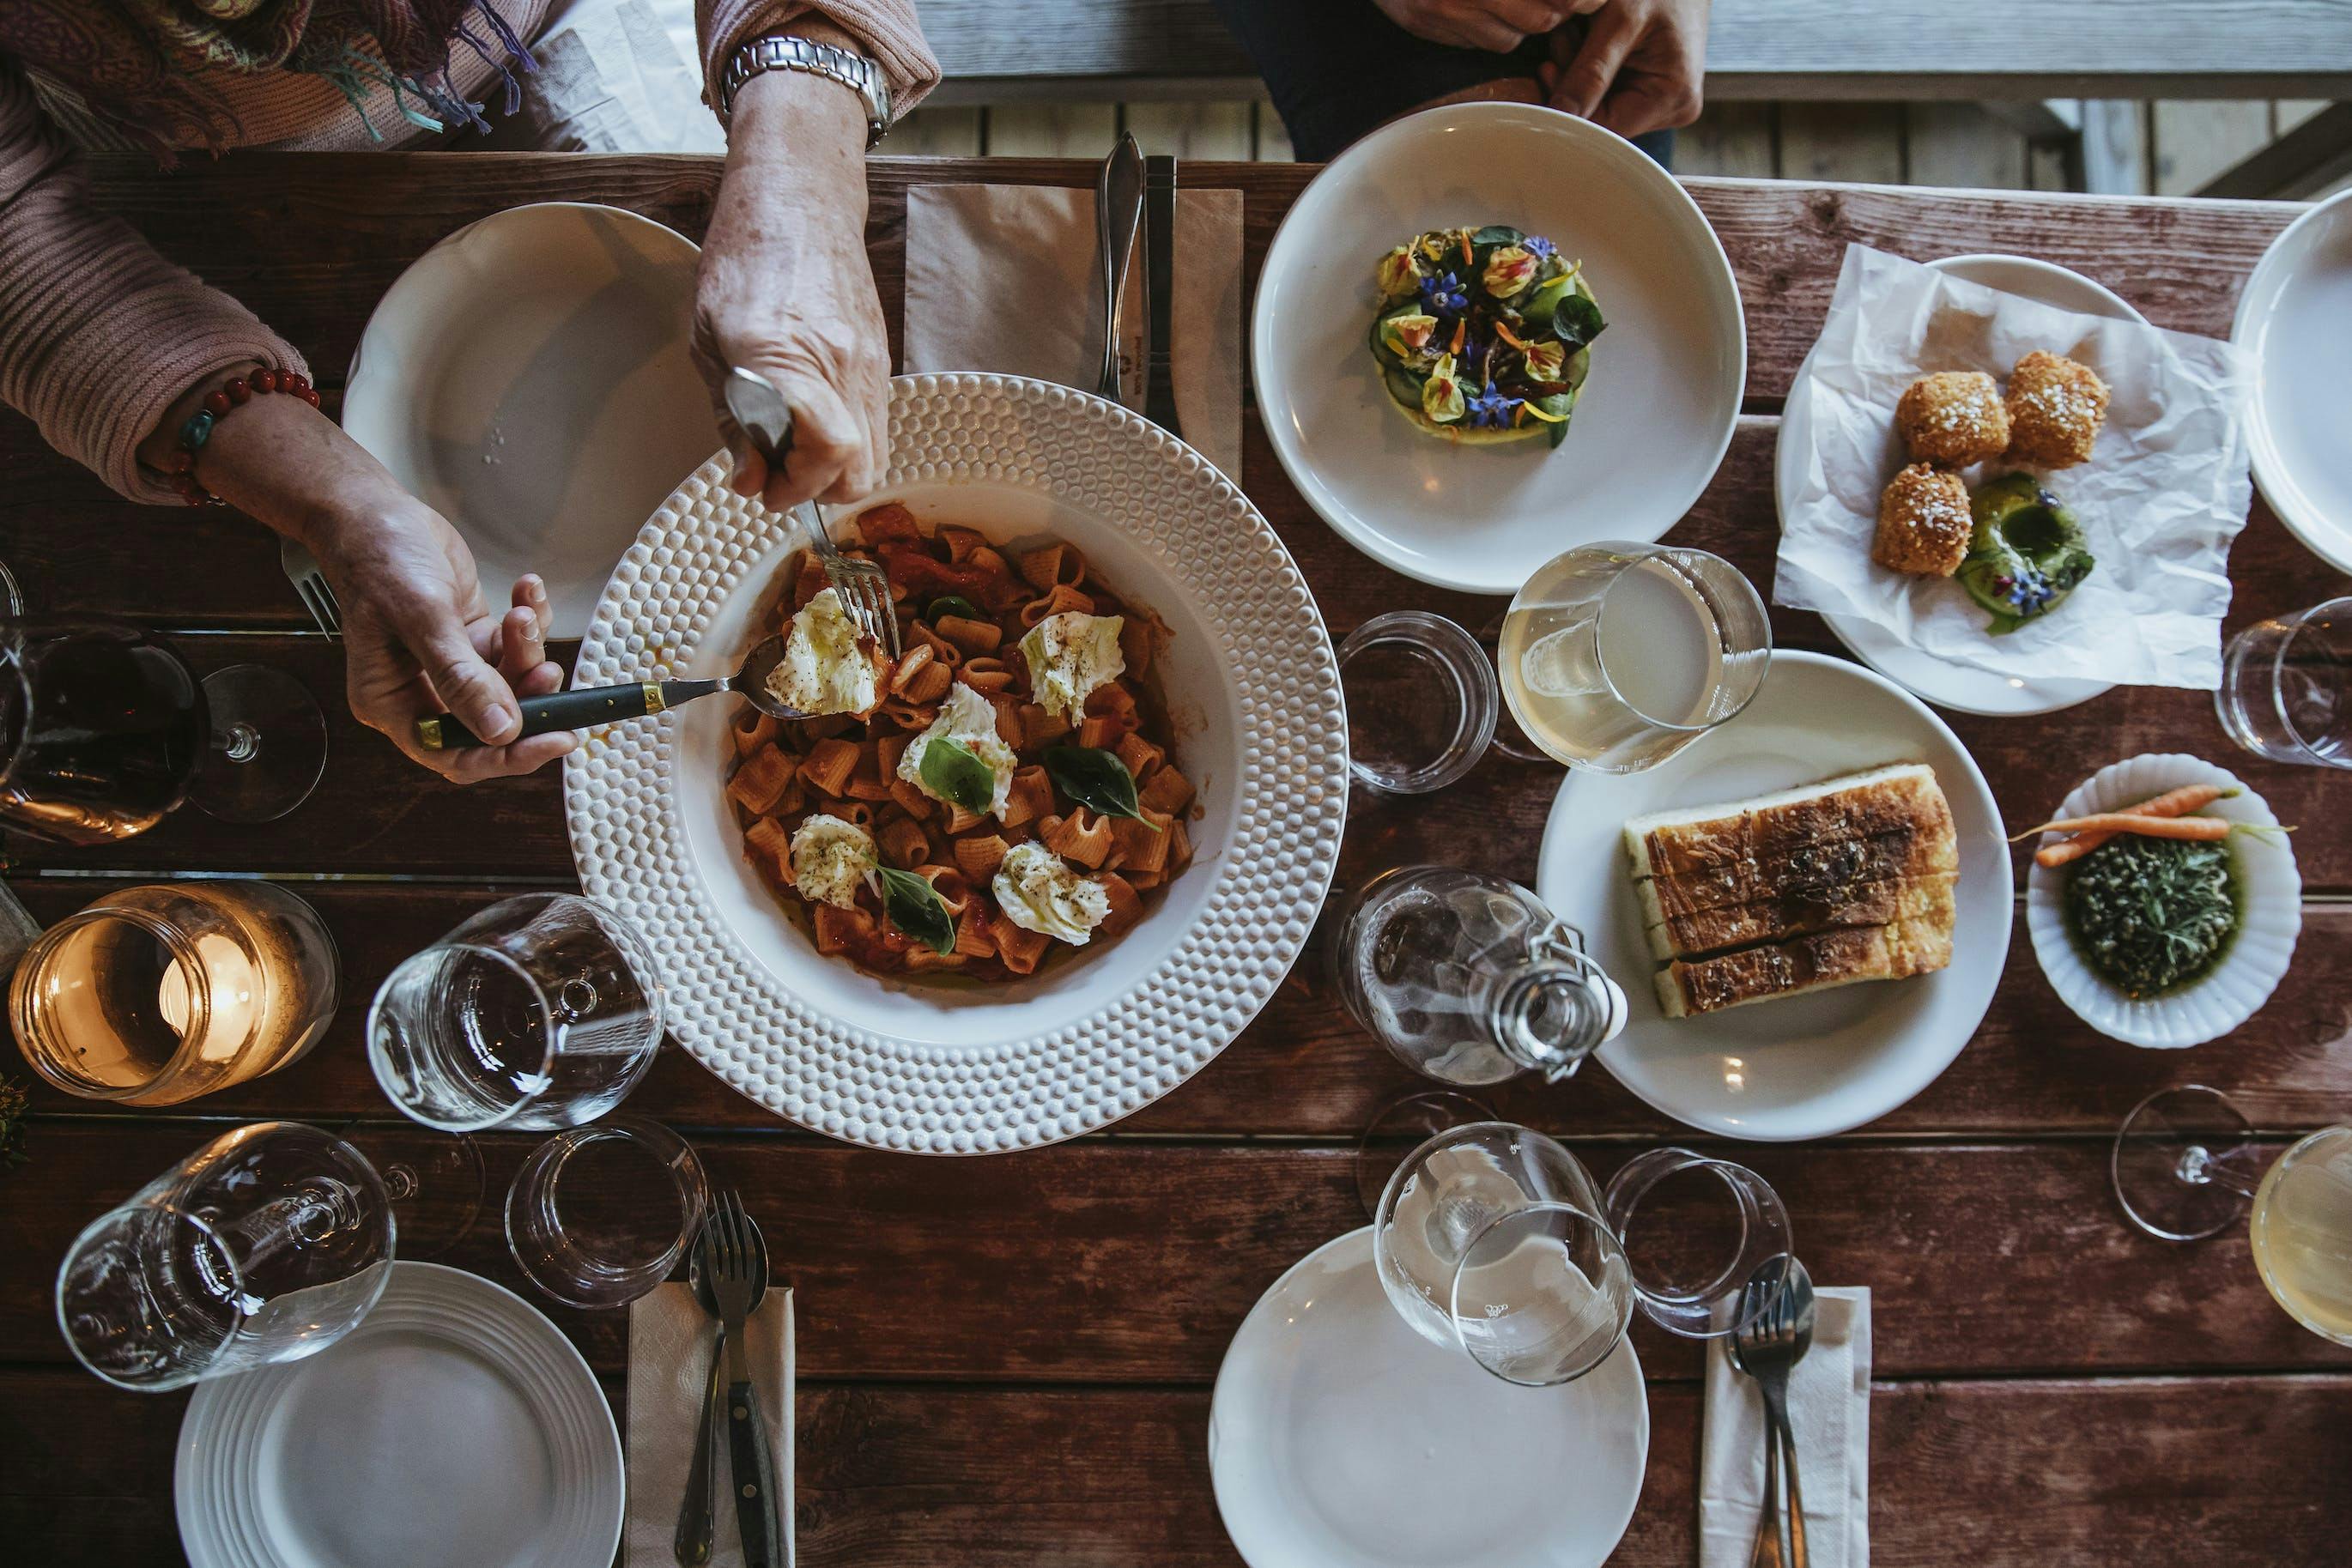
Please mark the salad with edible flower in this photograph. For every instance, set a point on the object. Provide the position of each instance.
(1484, 335)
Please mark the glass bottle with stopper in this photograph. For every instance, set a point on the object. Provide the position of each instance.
(1469, 979)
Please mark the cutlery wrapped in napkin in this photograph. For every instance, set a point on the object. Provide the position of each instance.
(669, 1367)
(1829, 1407)
(1005, 278)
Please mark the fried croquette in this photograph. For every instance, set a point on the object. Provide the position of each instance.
(1923, 523)
(2056, 409)
(1954, 418)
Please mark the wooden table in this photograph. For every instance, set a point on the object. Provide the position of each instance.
(1008, 1360)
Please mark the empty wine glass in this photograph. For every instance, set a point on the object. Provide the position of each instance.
(268, 1244)
(541, 1011)
(104, 730)
(2287, 687)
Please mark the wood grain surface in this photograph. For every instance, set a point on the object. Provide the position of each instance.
(1007, 1361)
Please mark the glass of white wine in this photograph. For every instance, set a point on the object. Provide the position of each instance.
(2185, 1168)
(1615, 656)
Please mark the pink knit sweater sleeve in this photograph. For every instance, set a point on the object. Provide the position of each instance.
(886, 28)
(99, 335)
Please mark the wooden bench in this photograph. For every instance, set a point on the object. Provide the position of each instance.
(2016, 56)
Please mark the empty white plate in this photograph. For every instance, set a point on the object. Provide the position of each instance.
(456, 1424)
(1963, 689)
(527, 379)
(2295, 317)
(1808, 1066)
(1339, 1438)
(1651, 424)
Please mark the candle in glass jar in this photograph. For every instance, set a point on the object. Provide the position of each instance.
(230, 983)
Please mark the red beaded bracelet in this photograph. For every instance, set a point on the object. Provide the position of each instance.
(199, 426)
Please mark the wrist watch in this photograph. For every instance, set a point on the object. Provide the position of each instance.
(782, 52)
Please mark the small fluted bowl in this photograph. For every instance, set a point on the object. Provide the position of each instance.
(2270, 915)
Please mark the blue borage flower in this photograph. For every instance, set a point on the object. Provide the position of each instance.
(1444, 296)
(1542, 249)
(2026, 592)
(1490, 410)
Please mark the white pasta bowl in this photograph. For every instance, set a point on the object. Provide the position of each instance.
(940, 1064)
(2270, 913)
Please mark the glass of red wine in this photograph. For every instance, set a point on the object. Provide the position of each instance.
(104, 730)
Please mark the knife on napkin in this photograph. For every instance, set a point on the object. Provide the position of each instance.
(1159, 286)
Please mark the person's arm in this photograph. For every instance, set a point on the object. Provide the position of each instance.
(784, 286)
(109, 348)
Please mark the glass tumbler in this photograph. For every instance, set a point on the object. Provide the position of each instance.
(540, 1012)
(152, 996)
(268, 1244)
(1616, 656)
(599, 1216)
(2286, 687)
(1695, 1229)
(1421, 702)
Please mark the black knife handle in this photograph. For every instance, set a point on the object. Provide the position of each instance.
(581, 709)
(1159, 275)
(753, 1473)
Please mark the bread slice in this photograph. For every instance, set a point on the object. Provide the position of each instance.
(1804, 963)
(1802, 911)
(1710, 841)
(1908, 854)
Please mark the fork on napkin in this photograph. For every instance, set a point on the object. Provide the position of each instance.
(669, 1364)
(1006, 279)
(1829, 1410)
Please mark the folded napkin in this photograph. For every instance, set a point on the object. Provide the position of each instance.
(1009, 278)
(669, 1367)
(1829, 1407)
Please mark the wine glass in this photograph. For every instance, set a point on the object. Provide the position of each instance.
(104, 730)
(2287, 687)
(269, 1244)
(2185, 1168)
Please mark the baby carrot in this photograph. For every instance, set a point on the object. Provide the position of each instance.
(2177, 802)
(2112, 822)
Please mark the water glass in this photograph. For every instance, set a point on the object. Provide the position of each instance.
(599, 1216)
(2286, 687)
(268, 1244)
(1616, 656)
(540, 1012)
(1695, 1229)
(1421, 702)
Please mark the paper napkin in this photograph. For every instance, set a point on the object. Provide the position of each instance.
(669, 1368)
(1828, 1406)
(1009, 278)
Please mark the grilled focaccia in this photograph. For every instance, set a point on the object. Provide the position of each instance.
(1815, 963)
(1801, 913)
(1755, 836)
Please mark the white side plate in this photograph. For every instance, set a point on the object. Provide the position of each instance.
(2295, 317)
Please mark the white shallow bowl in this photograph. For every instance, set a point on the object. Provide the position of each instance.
(454, 1425)
(1654, 420)
(527, 379)
(1962, 688)
(1806, 1067)
(945, 1066)
(2258, 956)
(2295, 316)
(1339, 1438)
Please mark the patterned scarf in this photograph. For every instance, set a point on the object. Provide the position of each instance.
(141, 64)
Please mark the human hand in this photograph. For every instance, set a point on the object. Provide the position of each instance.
(1498, 27)
(1638, 67)
(784, 289)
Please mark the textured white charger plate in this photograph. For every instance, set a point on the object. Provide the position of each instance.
(2271, 917)
(2295, 316)
(454, 1424)
(945, 1066)
(1339, 1438)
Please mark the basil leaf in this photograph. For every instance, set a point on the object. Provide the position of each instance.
(913, 906)
(1576, 321)
(953, 771)
(1096, 780)
(955, 605)
(1497, 234)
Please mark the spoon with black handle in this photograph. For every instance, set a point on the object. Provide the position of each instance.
(588, 706)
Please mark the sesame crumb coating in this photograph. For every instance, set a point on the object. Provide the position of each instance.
(1954, 418)
(1923, 523)
(2056, 409)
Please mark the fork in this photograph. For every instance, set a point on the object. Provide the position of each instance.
(865, 589)
(732, 1255)
(311, 586)
(1778, 1306)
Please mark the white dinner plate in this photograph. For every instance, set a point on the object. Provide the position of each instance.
(456, 1424)
(2294, 316)
(1963, 689)
(1339, 1438)
(938, 1064)
(527, 379)
(1809, 1066)
(1651, 424)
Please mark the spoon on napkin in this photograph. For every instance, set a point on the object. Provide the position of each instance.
(588, 706)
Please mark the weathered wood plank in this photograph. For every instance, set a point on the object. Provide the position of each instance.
(1303, 1069)
(945, 133)
(1104, 1261)
(1052, 130)
(2304, 162)
(1734, 140)
(2195, 142)
(1855, 143)
(1192, 131)
(1959, 145)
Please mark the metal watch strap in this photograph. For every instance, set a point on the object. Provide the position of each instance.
(785, 53)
